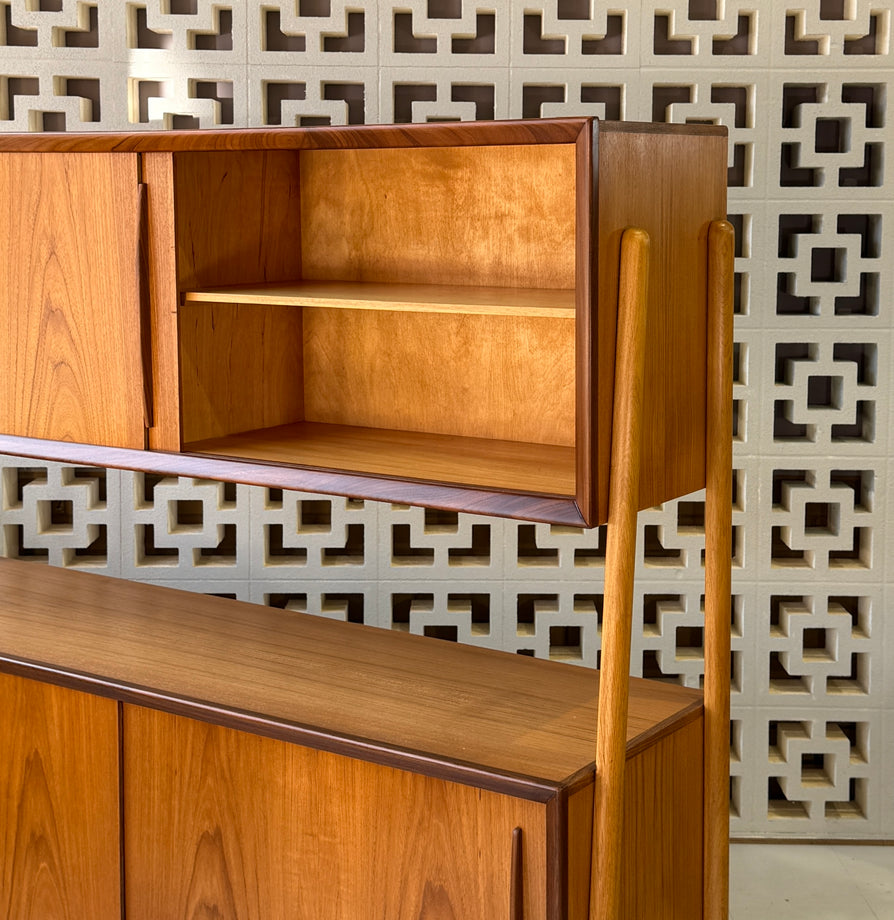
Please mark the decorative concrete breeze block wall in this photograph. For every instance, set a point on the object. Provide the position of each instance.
(803, 89)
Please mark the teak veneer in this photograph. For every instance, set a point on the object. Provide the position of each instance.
(253, 749)
(531, 319)
(272, 302)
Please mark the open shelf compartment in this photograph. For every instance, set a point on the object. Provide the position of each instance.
(412, 313)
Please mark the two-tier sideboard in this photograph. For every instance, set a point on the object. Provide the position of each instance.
(528, 319)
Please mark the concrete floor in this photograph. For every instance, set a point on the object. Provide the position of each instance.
(771, 881)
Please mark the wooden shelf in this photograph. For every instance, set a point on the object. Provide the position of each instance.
(543, 469)
(411, 298)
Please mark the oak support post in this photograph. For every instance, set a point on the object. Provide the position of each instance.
(611, 724)
(718, 552)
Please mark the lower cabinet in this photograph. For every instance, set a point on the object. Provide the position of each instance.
(59, 803)
(109, 809)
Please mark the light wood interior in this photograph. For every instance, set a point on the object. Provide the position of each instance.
(430, 292)
(495, 216)
(537, 468)
(474, 300)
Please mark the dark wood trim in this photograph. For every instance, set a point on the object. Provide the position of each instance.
(455, 771)
(557, 854)
(517, 877)
(585, 333)
(660, 127)
(485, 133)
(693, 712)
(550, 509)
(122, 854)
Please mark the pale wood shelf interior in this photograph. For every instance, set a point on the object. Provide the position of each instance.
(413, 314)
(410, 298)
(536, 468)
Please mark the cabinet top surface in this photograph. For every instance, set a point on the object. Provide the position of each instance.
(522, 131)
(490, 718)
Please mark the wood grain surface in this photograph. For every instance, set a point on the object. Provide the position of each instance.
(620, 568)
(69, 304)
(223, 824)
(477, 500)
(661, 848)
(536, 131)
(541, 469)
(237, 218)
(241, 368)
(718, 575)
(158, 175)
(493, 377)
(663, 829)
(59, 852)
(672, 186)
(504, 721)
(440, 215)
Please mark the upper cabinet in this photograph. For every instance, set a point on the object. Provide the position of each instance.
(70, 358)
(423, 314)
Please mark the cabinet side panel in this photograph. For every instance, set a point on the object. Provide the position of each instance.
(662, 847)
(69, 306)
(237, 217)
(501, 216)
(663, 828)
(241, 368)
(509, 378)
(223, 823)
(59, 837)
(673, 186)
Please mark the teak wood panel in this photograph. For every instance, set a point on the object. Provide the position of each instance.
(538, 469)
(508, 378)
(158, 177)
(59, 815)
(537, 131)
(226, 824)
(672, 186)
(403, 699)
(661, 859)
(500, 216)
(237, 218)
(241, 368)
(69, 304)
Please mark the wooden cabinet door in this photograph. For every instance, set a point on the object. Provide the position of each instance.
(59, 814)
(220, 823)
(70, 361)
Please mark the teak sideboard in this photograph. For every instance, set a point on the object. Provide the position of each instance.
(529, 319)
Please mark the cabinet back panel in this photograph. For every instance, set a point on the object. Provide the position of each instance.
(69, 308)
(501, 216)
(240, 368)
(237, 217)
(509, 378)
